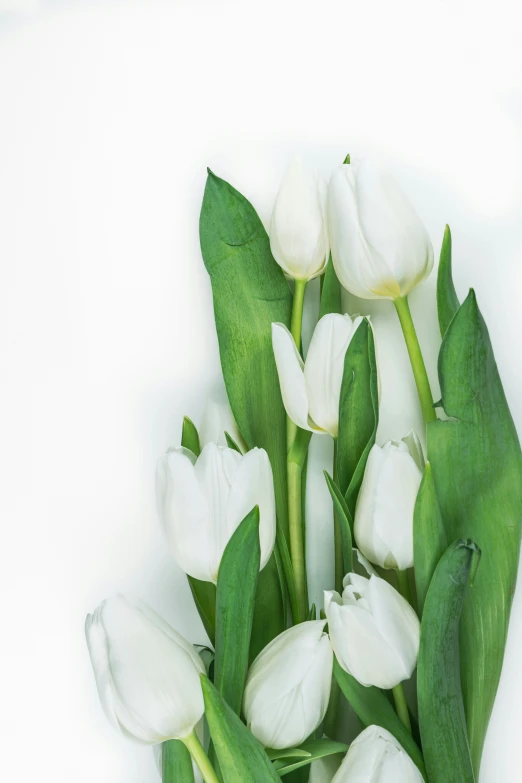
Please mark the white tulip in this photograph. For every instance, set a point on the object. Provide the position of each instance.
(383, 524)
(311, 389)
(380, 248)
(288, 686)
(373, 630)
(216, 420)
(202, 502)
(376, 757)
(298, 230)
(148, 676)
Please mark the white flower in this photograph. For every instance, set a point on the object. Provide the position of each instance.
(202, 502)
(148, 676)
(298, 231)
(380, 248)
(311, 389)
(376, 757)
(383, 524)
(218, 419)
(288, 686)
(373, 630)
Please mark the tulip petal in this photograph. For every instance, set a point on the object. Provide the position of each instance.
(99, 653)
(396, 620)
(367, 537)
(291, 377)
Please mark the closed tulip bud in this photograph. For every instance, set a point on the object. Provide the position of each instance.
(383, 524)
(311, 389)
(218, 419)
(148, 676)
(298, 232)
(380, 248)
(373, 630)
(202, 501)
(288, 686)
(375, 756)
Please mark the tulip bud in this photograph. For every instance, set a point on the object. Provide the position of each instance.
(298, 233)
(373, 630)
(311, 389)
(202, 502)
(148, 676)
(375, 756)
(383, 524)
(380, 248)
(218, 419)
(288, 686)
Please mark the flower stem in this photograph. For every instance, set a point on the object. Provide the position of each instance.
(401, 705)
(403, 584)
(296, 460)
(195, 749)
(295, 328)
(417, 362)
(338, 542)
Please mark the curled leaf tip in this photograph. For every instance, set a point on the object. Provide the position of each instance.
(347, 159)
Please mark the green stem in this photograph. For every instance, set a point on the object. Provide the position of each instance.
(295, 328)
(403, 584)
(401, 705)
(296, 460)
(417, 362)
(195, 749)
(338, 540)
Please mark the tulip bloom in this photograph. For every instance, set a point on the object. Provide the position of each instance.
(383, 524)
(380, 248)
(288, 686)
(375, 756)
(311, 389)
(148, 676)
(298, 232)
(373, 630)
(218, 419)
(202, 501)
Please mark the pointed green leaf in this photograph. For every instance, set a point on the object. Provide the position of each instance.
(345, 521)
(447, 300)
(236, 592)
(477, 469)
(241, 757)
(441, 709)
(190, 436)
(372, 706)
(231, 443)
(176, 764)
(204, 595)
(274, 754)
(316, 749)
(330, 292)
(358, 412)
(429, 536)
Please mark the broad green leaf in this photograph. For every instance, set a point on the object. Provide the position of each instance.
(373, 707)
(288, 571)
(236, 591)
(345, 521)
(429, 536)
(316, 749)
(358, 412)
(447, 301)
(330, 292)
(190, 436)
(241, 757)
(176, 764)
(441, 709)
(477, 469)
(204, 595)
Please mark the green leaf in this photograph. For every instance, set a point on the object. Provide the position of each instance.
(373, 707)
(204, 595)
(477, 469)
(241, 757)
(429, 536)
(236, 591)
(441, 709)
(269, 613)
(275, 754)
(345, 521)
(231, 443)
(316, 749)
(176, 764)
(190, 436)
(447, 300)
(330, 292)
(358, 412)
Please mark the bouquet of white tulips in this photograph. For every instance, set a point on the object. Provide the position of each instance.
(282, 688)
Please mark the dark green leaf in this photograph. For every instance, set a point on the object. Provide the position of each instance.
(204, 594)
(236, 591)
(447, 301)
(429, 536)
(345, 521)
(176, 764)
(241, 757)
(331, 292)
(373, 707)
(231, 443)
(477, 469)
(190, 436)
(441, 709)
(269, 613)
(317, 749)
(358, 412)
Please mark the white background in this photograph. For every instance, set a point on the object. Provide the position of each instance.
(110, 113)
